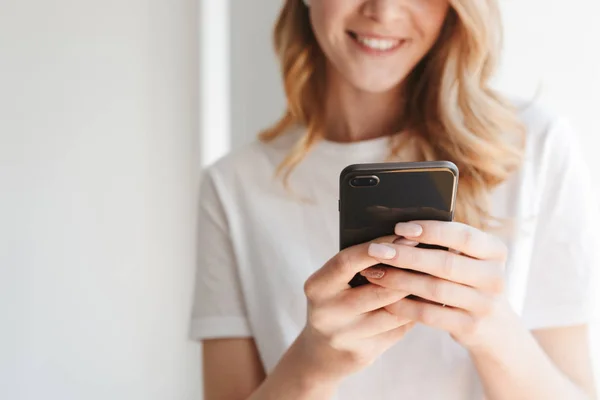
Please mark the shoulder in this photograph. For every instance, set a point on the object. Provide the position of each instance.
(250, 165)
(548, 132)
(551, 157)
(256, 157)
(554, 158)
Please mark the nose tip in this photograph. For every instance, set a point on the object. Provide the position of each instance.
(384, 11)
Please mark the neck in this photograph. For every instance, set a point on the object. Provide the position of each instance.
(355, 115)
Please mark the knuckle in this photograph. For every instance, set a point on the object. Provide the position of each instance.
(411, 285)
(355, 298)
(499, 285)
(435, 231)
(467, 237)
(414, 256)
(432, 227)
(353, 301)
(310, 290)
(399, 319)
(498, 247)
(503, 251)
(425, 315)
(428, 317)
(372, 294)
(497, 282)
(341, 262)
(380, 293)
(395, 309)
(436, 289)
(448, 265)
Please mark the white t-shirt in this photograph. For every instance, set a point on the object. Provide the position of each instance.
(258, 243)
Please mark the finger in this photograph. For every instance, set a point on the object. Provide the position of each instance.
(334, 276)
(455, 235)
(436, 316)
(434, 289)
(373, 324)
(342, 311)
(385, 340)
(483, 274)
(366, 298)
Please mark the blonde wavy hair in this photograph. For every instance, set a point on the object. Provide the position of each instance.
(453, 114)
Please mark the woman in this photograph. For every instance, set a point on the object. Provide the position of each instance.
(370, 81)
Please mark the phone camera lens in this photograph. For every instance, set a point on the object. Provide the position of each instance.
(364, 181)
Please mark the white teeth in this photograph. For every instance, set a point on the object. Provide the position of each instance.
(378, 44)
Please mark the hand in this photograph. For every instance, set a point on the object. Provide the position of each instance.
(347, 329)
(468, 281)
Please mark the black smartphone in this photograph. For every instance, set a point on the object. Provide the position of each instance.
(375, 197)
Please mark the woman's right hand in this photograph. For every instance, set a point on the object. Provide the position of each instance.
(347, 328)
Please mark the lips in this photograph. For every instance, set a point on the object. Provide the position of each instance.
(375, 43)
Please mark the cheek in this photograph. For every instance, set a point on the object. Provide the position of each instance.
(430, 18)
(327, 17)
(328, 23)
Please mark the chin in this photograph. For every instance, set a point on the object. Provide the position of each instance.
(376, 84)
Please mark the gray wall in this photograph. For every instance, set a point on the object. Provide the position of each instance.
(98, 169)
(256, 93)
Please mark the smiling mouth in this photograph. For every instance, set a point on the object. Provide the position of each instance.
(376, 44)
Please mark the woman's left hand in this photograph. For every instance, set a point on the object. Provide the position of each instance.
(467, 285)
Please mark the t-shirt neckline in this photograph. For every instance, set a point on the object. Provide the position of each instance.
(376, 146)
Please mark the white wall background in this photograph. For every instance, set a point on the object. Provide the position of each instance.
(98, 169)
(554, 46)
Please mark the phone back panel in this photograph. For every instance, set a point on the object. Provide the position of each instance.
(404, 192)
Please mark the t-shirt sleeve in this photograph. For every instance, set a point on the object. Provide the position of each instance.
(566, 252)
(218, 310)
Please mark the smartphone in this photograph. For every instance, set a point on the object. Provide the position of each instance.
(375, 197)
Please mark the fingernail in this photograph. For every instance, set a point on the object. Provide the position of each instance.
(408, 229)
(381, 251)
(406, 242)
(374, 273)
